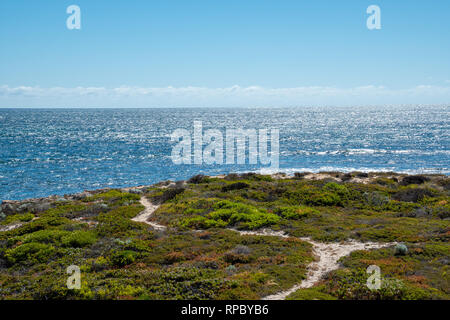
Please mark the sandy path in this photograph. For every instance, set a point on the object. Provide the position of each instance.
(262, 232)
(327, 254)
(146, 214)
(13, 226)
(10, 227)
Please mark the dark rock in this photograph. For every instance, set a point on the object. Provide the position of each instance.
(346, 177)
(418, 179)
(179, 184)
(81, 196)
(248, 175)
(235, 186)
(232, 176)
(412, 195)
(135, 191)
(300, 175)
(362, 175)
(40, 207)
(442, 212)
(25, 207)
(169, 194)
(200, 178)
(420, 213)
(417, 213)
(445, 183)
(8, 208)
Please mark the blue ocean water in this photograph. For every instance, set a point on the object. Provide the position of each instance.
(59, 151)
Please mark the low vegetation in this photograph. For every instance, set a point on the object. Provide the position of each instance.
(201, 254)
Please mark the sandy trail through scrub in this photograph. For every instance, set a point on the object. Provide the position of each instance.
(147, 213)
(327, 254)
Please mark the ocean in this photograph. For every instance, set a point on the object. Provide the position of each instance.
(61, 151)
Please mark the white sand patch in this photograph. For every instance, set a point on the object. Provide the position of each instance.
(262, 232)
(15, 225)
(10, 227)
(91, 223)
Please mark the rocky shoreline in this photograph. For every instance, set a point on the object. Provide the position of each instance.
(237, 236)
(35, 205)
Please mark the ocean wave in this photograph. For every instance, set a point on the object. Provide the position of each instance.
(291, 171)
(365, 152)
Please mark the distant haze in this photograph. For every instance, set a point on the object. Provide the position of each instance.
(234, 53)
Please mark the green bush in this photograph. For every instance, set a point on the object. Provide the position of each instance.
(311, 294)
(78, 239)
(199, 222)
(24, 217)
(118, 222)
(324, 199)
(123, 258)
(114, 195)
(30, 253)
(294, 213)
(45, 236)
(246, 216)
(401, 250)
(228, 213)
(339, 189)
(352, 285)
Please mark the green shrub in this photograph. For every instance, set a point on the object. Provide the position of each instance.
(199, 222)
(200, 178)
(23, 217)
(45, 236)
(78, 239)
(246, 216)
(66, 210)
(233, 258)
(413, 194)
(235, 186)
(173, 257)
(118, 222)
(401, 250)
(294, 213)
(311, 294)
(324, 199)
(30, 253)
(376, 199)
(44, 222)
(123, 258)
(339, 189)
(228, 213)
(114, 195)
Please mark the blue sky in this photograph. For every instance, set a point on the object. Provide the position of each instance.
(223, 53)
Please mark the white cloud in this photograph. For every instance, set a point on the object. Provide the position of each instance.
(127, 96)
